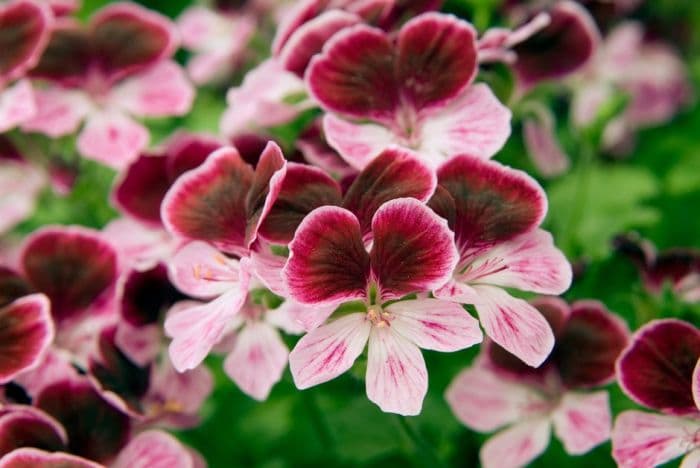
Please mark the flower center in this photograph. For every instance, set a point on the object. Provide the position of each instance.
(378, 316)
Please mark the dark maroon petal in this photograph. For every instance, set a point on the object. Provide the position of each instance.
(26, 331)
(72, 265)
(395, 173)
(656, 368)
(494, 203)
(250, 146)
(589, 344)
(403, 10)
(34, 458)
(304, 189)
(310, 38)
(96, 430)
(436, 58)
(443, 204)
(266, 185)
(24, 31)
(142, 187)
(67, 57)
(150, 38)
(564, 46)
(25, 426)
(147, 295)
(122, 382)
(12, 286)
(303, 11)
(671, 266)
(355, 74)
(413, 249)
(327, 261)
(208, 203)
(187, 151)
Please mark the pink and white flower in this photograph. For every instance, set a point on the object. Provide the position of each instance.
(91, 77)
(526, 404)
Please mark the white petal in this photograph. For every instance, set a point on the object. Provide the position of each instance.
(200, 270)
(358, 144)
(516, 446)
(582, 421)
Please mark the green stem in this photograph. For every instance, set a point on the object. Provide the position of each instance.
(423, 449)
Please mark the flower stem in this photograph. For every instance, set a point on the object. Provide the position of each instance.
(422, 448)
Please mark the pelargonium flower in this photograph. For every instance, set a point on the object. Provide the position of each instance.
(218, 40)
(415, 90)
(412, 252)
(499, 392)
(660, 369)
(495, 212)
(678, 268)
(90, 76)
(20, 186)
(25, 28)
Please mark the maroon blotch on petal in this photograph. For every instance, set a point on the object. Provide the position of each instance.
(25, 426)
(12, 286)
(71, 265)
(656, 369)
(187, 151)
(24, 30)
(264, 188)
(142, 187)
(67, 56)
(147, 295)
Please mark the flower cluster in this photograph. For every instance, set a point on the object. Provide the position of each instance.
(381, 228)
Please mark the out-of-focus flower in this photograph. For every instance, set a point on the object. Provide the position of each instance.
(20, 186)
(660, 369)
(498, 391)
(91, 76)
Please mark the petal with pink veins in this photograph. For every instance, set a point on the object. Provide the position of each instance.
(474, 123)
(59, 111)
(112, 138)
(357, 143)
(413, 249)
(485, 401)
(582, 421)
(397, 379)
(26, 332)
(328, 263)
(34, 458)
(529, 262)
(295, 318)
(196, 330)
(515, 325)
(329, 350)
(258, 359)
(435, 324)
(17, 105)
(517, 445)
(646, 439)
(24, 31)
(200, 270)
(656, 369)
(154, 449)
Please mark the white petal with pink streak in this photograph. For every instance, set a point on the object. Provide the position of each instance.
(59, 111)
(112, 138)
(517, 445)
(582, 421)
(357, 143)
(17, 105)
(200, 270)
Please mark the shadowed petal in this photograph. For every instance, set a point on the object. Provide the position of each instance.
(12, 286)
(258, 359)
(329, 350)
(582, 421)
(543, 147)
(24, 32)
(198, 269)
(656, 368)
(413, 249)
(357, 143)
(112, 138)
(25, 426)
(397, 379)
(294, 318)
(327, 262)
(435, 324)
(67, 56)
(516, 446)
(141, 188)
(35, 458)
(154, 449)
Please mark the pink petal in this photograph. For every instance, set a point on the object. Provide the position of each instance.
(395, 173)
(543, 147)
(180, 393)
(199, 270)
(34, 458)
(258, 359)
(25, 27)
(645, 439)
(413, 249)
(355, 74)
(582, 421)
(20, 186)
(17, 105)
(696, 384)
(529, 262)
(196, 330)
(294, 318)
(141, 345)
(474, 123)
(656, 369)
(72, 265)
(112, 139)
(142, 246)
(516, 446)
(329, 350)
(435, 324)
(397, 379)
(357, 143)
(327, 262)
(515, 325)
(436, 58)
(485, 401)
(268, 267)
(59, 111)
(208, 203)
(515, 203)
(160, 91)
(154, 449)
